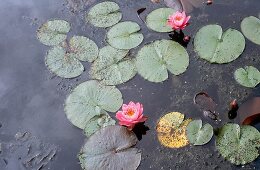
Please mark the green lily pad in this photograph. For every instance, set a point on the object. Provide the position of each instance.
(63, 64)
(111, 148)
(125, 35)
(90, 99)
(248, 76)
(239, 145)
(215, 46)
(104, 14)
(53, 32)
(154, 59)
(157, 19)
(97, 122)
(250, 27)
(198, 134)
(84, 48)
(112, 67)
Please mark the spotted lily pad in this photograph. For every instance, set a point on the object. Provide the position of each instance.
(104, 14)
(90, 99)
(157, 19)
(248, 76)
(250, 27)
(110, 148)
(125, 35)
(53, 32)
(198, 134)
(154, 59)
(237, 144)
(215, 46)
(112, 67)
(171, 130)
(97, 122)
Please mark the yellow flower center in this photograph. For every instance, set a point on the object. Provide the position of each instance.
(178, 18)
(130, 112)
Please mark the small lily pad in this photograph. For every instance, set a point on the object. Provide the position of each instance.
(84, 48)
(112, 67)
(125, 35)
(111, 148)
(104, 14)
(239, 145)
(250, 27)
(248, 76)
(53, 32)
(198, 134)
(215, 46)
(90, 99)
(157, 19)
(97, 122)
(63, 64)
(154, 59)
(171, 130)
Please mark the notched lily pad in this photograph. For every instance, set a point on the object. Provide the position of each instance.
(171, 130)
(157, 19)
(111, 148)
(248, 76)
(198, 134)
(239, 145)
(53, 32)
(112, 67)
(104, 14)
(154, 59)
(90, 99)
(215, 46)
(250, 27)
(125, 35)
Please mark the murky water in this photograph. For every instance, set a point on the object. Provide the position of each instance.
(31, 99)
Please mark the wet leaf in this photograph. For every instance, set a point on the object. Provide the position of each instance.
(174, 4)
(97, 122)
(171, 130)
(157, 19)
(63, 64)
(104, 14)
(250, 27)
(239, 145)
(112, 67)
(84, 48)
(154, 59)
(90, 99)
(53, 32)
(215, 46)
(198, 134)
(248, 76)
(125, 35)
(110, 148)
(188, 5)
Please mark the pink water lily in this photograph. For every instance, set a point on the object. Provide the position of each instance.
(131, 114)
(178, 21)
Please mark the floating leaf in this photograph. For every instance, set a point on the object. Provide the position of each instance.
(125, 35)
(104, 14)
(171, 130)
(198, 134)
(97, 122)
(215, 46)
(63, 64)
(90, 99)
(237, 144)
(250, 27)
(84, 48)
(157, 19)
(111, 148)
(154, 59)
(112, 68)
(248, 76)
(53, 32)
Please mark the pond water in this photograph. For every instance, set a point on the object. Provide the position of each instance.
(31, 98)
